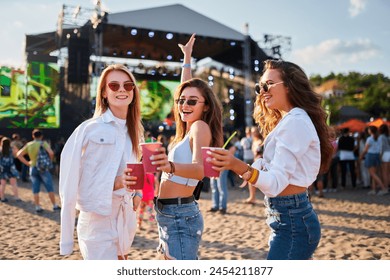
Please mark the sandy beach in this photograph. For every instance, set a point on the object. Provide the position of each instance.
(355, 226)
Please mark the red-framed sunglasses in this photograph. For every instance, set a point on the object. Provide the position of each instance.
(115, 86)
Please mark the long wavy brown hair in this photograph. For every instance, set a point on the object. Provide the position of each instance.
(300, 94)
(6, 147)
(133, 119)
(213, 116)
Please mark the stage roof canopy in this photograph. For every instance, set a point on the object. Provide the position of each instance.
(153, 34)
(175, 18)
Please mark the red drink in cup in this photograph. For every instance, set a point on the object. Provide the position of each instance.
(139, 172)
(208, 171)
(149, 149)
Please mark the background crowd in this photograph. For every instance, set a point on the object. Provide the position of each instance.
(349, 166)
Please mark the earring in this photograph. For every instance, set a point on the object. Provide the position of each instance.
(104, 101)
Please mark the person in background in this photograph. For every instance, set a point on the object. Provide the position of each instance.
(372, 161)
(384, 140)
(321, 183)
(147, 200)
(8, 171)
(346, 147)
(364, 174)
(58, 146)
(239, 153)
(248, 157)
(16, 145)
(333, 169)
(37, 176)
(219, 187)
(198, 119)
(296, 148)
(246, 143)
(257, 149)
(92, 167)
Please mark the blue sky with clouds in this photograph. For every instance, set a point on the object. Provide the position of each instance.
(327, 36)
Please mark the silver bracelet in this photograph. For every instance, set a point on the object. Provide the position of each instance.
(138, 194)
(186, 65)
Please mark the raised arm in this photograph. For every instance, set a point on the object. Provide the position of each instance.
(186, 73)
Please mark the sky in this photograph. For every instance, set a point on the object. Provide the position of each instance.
(336, 36)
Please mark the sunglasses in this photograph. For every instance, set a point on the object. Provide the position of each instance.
(115, 86)
(190, 102)
(265, 87)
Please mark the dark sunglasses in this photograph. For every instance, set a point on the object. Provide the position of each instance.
(190, 102)
(115, 86)
(265, 87)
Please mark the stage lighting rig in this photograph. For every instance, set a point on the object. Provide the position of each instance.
(276, 46)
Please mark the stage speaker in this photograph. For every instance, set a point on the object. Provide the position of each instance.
(78, 60)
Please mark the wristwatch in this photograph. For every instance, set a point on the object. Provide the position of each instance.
(247, 174)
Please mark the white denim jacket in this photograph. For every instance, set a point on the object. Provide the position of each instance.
(291, 155)
(91, 159)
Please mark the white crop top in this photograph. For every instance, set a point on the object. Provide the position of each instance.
(181, 153)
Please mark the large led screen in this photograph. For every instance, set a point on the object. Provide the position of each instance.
(30, 100)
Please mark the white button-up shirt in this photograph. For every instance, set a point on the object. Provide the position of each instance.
(92, 157)
(291, 154)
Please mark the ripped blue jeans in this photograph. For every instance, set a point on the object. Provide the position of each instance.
(295, 227)
(180, 229)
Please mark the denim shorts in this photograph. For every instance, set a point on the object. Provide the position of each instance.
(372, 160)
(37, 177)
(180, 229)
(295, 227)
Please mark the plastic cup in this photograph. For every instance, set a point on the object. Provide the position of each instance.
(139, 172)
(208, 171)
(149, 149)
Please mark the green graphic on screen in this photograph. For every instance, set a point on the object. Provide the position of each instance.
(32, 100)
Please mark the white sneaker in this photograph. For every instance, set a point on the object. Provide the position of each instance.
(383, 192)
(372, 192)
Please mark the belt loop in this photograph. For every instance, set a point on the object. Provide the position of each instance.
(179, 201)
(296, 200)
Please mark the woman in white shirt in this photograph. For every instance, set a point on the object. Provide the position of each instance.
(296, 149)
(92, 164)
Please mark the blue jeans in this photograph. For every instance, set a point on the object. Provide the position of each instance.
(295, 227)
(180, 229)
(219, 190)
(37, 177)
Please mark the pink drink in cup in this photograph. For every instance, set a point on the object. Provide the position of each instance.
(208, 171)
(149, 149)
(139, 172)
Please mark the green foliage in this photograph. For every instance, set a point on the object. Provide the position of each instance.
(367, 92)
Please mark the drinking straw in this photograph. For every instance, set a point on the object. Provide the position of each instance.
(230, 138)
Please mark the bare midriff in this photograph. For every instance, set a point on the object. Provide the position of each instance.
(169, 189)
(292, 189)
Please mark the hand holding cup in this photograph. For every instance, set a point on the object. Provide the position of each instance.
(217, 159)
(148, 150)
(133, 176)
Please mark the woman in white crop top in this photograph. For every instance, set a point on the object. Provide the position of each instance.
(92, 164)
(296, 149)
(198, 117)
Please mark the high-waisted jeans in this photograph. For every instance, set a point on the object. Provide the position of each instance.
(295, 227)
(180, 229)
